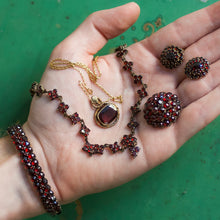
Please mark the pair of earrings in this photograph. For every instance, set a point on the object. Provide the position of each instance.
(173, 56)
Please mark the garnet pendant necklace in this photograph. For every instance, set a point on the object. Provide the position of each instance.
(106, 113)
(128, 141)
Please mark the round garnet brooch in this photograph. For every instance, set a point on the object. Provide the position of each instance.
(162, 109)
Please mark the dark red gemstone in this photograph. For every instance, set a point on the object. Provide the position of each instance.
(170, 56)
(197, 65)
(108, 114)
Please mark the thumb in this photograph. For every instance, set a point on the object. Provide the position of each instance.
(98, 28)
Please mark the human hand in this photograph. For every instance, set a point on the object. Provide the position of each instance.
(57, 144)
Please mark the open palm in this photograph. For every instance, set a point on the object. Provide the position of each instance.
(71, 172)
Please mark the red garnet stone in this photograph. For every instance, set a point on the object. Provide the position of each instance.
(107, 115)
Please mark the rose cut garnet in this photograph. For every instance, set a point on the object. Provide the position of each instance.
(107, 115)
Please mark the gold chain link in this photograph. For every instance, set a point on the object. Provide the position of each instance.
(60, 64)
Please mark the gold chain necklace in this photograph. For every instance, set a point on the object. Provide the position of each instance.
(106, 113)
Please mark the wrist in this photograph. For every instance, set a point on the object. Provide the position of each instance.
(26, 192)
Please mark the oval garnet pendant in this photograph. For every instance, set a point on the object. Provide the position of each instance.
(107, 115)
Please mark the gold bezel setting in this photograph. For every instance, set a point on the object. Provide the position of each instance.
(111, 109)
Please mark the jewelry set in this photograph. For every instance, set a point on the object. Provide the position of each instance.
(160, 111)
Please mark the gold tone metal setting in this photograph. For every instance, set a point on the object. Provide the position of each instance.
(112, 116)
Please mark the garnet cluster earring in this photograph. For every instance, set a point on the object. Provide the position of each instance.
(196, 68)
(171, 57)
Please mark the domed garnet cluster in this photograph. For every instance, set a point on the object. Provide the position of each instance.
(171, 57)
(162, 109)
(197, 68)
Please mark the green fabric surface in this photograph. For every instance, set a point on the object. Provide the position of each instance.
(184, 187)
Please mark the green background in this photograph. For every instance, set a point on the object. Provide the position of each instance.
(184, 187)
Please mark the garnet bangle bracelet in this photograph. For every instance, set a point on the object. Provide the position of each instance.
(28, 158)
